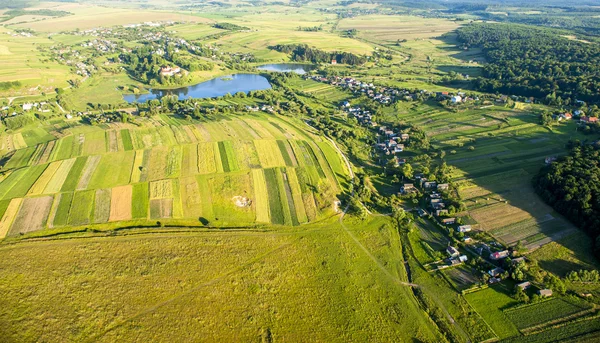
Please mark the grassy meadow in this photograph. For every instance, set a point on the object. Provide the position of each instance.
(311, 283)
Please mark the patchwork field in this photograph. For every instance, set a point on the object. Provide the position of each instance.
(237, 172)
(494, 176)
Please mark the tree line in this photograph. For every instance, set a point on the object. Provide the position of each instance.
(571, 185)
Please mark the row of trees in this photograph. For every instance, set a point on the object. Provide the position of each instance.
(536, 62)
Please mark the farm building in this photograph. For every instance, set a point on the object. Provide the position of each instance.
(524, 285)
(498, 255)
(544, 293)
(442, 187)
(467, 240)
(463, 258)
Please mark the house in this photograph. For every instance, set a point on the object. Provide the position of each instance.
(448, 221)
(439, 213)
(544, 293)
(456, 99)
(467, 240)
(496, 271)
(452, 251)
(586, 119)
(494, 280)
(463, 228)
(408, 187)
(404, 136)
(437, 204)
(442, 187)
(168, 71)
(566, 116)
(429, 185)
(549, 159)
(524, 285)
(463, 258)
(578, 113)
(333, 61)
(69, 116)
(422, 212)
(27, 107)
(499, 255)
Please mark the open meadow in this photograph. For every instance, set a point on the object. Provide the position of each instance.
(311, 283)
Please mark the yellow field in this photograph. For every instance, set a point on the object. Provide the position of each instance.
(9, 216)
(90, 16)
(261, 200)
(268, 153)
(59, 177)
(206, 158)
(190, 196)
(41, 183)
(389, 29)
(120, 203)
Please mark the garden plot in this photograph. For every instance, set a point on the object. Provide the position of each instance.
(269, 154)
(90, 166)
(32, 215)
(120, 203)
(59, 177)
(113, 170)
(161, 208)
(81, 207)
(102, 205)
(140, 200)
(190, 196)
(189, 163)
(9, 216)
(261, 196)
(206, 158)
(161, 189)
(41, 183)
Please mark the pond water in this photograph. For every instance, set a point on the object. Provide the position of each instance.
(286, 67)
(209, 89)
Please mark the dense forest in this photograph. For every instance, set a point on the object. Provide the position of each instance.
(537, 62)
(572, 186)
(304, 53)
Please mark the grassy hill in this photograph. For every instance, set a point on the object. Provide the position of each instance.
(239, 171)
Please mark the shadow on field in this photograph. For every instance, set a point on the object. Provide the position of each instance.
(495, 179)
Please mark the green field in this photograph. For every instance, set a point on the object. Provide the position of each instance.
(285, 274)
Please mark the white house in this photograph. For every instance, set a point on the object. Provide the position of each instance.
(456, 99)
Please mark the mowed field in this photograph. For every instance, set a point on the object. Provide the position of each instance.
(310, 283)
(389, 29)
(90, 16)
(250, 170)
(494, 178)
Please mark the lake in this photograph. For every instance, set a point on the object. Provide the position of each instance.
(209, 89)
(287, 67)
